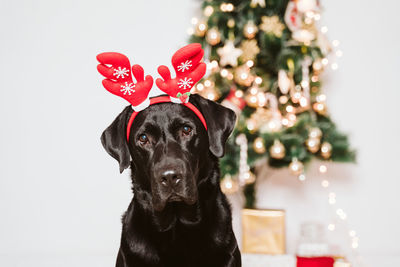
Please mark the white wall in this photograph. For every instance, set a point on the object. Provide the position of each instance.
(61, 195)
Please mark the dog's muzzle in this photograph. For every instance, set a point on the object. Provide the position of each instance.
(172, 182)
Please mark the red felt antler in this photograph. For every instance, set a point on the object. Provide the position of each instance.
(116, 68)
(188, 68)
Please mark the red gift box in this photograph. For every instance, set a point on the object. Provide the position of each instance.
(315, 261)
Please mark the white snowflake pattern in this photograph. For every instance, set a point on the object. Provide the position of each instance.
(185, 65)
(185, 83)
(121, 72)
(128, 88)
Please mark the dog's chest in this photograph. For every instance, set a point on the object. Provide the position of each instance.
(188, 250)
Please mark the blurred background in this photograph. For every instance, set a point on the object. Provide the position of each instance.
(61, 195)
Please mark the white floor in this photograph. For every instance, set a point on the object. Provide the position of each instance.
(109, 260)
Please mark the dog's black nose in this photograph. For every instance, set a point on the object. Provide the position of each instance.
(171, 177)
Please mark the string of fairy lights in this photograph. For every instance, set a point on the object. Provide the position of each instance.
(257, 98)
(263, 120)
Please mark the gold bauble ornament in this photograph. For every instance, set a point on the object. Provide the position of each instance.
(315, 132)
(251, 125)
(228, 185)
(318, 66)
(289, 119)
(251, 100)
(208, 10)
(320, 108)
(326, 150)
(296, 167)
(201, 29)
(213, 36)
(250, 29)
(258, 145)
(250, 50)
(273, 125)
(231, 23)
(313, 144)
(258, 118)
(255, 98)
(277, 150)
(272, 25)
(249, 177)
(283, 99)
(243, 76)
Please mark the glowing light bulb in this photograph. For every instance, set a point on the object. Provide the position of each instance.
(194, 20)
(304, 83)
(335, 42)
(229, 7)
(224, 73)
(253, 90)
(303, 102)
(314, 78)
(239, 93)
(211, 96)
(262, 100)
(200, 87)
(321, 98)
(289, 108)
(332, 198)
(190, 31)
(323, 169)
(250, 63)
(352, 233)
(251, 125)
(208, 11)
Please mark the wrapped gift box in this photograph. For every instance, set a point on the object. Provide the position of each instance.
(315, 261)
(263, 231)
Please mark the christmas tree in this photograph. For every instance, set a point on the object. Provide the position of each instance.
(265, 59)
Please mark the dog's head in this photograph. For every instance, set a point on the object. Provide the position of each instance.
(168, 147)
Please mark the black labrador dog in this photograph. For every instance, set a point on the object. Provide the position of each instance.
(178, 216)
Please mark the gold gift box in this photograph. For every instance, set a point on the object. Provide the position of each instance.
(263, 231)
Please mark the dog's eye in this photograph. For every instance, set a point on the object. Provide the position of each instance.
(143, 139)
(186, 130)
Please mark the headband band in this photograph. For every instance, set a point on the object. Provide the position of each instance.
(164, 99)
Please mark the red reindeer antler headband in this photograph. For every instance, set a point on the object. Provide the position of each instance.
(188, 67)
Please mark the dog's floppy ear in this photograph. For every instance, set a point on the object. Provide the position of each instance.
(220, 122)
(114, 139)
